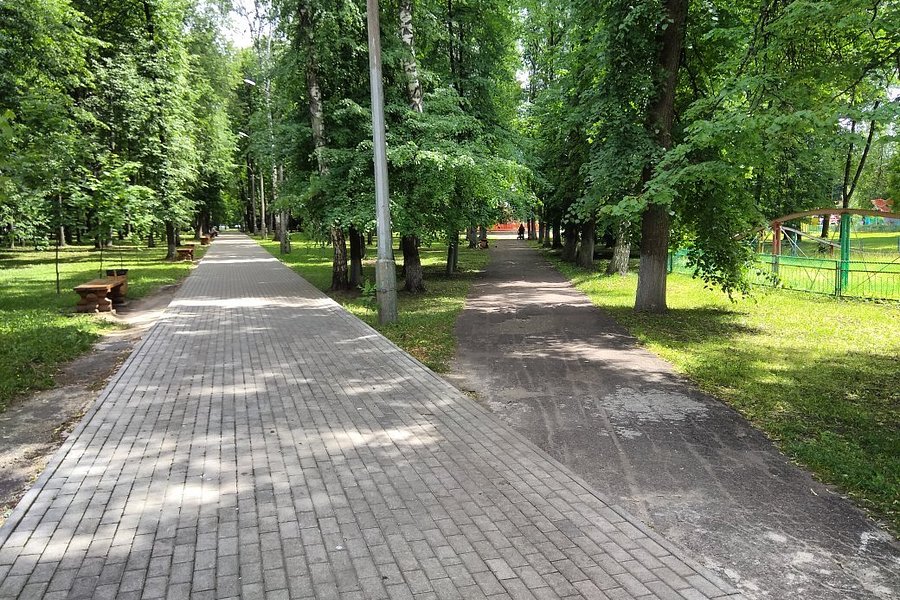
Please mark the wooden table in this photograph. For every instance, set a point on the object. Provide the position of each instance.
(100, 295)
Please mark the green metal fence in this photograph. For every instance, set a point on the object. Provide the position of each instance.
(852, 279)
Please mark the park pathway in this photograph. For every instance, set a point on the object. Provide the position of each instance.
(261, 442)
(565, 375)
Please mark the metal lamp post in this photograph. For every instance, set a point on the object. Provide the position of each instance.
(385, 270)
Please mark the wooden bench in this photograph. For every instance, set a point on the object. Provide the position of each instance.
(204, 240)
(186, 252)
(100, 295)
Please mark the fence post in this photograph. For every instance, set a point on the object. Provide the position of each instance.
(845, 254)
(776, 246)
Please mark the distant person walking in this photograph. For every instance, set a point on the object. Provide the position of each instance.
(521, 231)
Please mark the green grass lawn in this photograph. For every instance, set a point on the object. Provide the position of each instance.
(820, 376)
(38, 329)
(425, 324)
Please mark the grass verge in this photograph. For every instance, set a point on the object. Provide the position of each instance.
(820, 376)
(38, 329)
(426, 321)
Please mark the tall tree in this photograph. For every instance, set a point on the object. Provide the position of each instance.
(655, 222)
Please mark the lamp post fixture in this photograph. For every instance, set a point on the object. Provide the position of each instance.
(385, 270)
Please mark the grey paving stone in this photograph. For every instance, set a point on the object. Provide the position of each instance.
(262, 442)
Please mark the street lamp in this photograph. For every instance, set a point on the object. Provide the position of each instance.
(385, 270)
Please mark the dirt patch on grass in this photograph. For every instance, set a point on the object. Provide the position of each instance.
(32, 428)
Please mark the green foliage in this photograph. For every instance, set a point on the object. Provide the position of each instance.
(118, 115)
(773, 99)
(456, 164)
(368, 294)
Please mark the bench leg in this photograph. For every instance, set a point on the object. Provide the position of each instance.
(104, 304)
(87, 304)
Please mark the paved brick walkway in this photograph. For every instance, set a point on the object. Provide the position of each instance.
(262, 442)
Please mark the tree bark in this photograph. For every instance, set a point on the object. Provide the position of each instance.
(410, 68)
(285, 234)
(651, 289)
(171, 241)
(571, 243)
(621, 252)
(252, 200)
(450, 268)
(284, 222)
(263, 229)
(339, 279)
(313, 90)
(585, 256)
(542, 231)
(356, 276)
(412, 265)
(472, 236)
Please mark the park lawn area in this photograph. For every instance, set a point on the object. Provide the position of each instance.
(820, 376)
(425, 324)
(38, 328)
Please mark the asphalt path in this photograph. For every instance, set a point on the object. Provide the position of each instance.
(565, 375)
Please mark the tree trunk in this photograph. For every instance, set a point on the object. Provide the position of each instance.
(339, 280)
(452, 253)
(557, 241)
(585, 256)
(263, 223)
(252, 201)
(621, 252)
(171, 241)
(284, 235)
(472, 236)
(410, 68)
(317, 125)
(651, 289)
(356, 275)
(542, 231)
(362, 245)
(571, 243)
(61, 236)
(412, 265)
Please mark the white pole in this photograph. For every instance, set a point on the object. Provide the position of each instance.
(385, 271)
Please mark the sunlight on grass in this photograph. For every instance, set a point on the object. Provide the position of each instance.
(38, 330)
(426, 321)
(820, 376)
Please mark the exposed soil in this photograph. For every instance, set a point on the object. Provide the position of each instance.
(32, 428)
